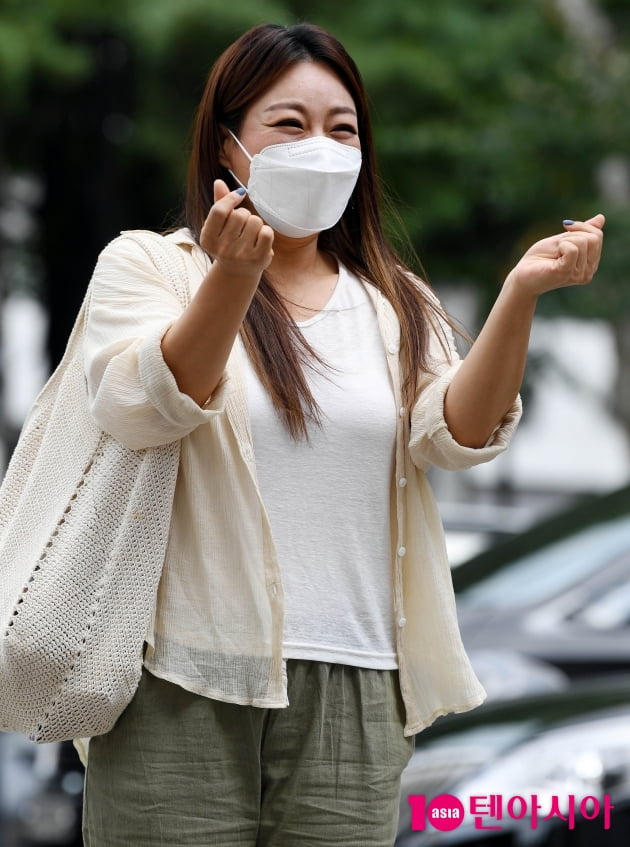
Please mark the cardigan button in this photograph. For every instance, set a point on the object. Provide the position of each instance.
(392, 348)
(402, 622)
(402, 551)
(402, 482)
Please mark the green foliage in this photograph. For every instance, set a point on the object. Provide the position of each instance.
(29, 45)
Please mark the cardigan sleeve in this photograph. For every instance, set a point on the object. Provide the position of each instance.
(431, 442)
(132, 392)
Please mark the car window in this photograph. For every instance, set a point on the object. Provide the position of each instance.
(547, 572)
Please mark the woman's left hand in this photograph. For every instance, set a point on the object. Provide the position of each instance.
(569, 258)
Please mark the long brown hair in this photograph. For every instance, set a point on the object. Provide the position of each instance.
(275, 345)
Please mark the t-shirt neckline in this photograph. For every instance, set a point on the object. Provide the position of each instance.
(327, 307)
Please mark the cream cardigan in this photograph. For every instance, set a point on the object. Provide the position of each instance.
(218, 622)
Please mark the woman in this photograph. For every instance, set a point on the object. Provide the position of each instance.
(305, 626)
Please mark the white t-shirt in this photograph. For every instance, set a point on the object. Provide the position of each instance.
(328, 498)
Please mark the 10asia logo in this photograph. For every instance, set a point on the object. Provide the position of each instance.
(446, 812)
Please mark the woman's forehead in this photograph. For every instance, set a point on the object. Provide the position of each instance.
(306, 85)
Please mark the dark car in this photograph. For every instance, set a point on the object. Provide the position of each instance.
(522, 770)
(560, 592)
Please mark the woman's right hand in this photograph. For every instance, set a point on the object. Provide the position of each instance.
(239, 241)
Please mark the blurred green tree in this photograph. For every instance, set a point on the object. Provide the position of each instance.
(494, 121)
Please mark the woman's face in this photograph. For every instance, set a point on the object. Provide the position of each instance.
(308, 100)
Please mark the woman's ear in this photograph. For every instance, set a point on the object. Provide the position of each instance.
(227, 142)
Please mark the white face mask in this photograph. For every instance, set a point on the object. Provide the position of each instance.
(302, 187)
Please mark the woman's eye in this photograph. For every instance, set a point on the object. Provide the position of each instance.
(345, 128)
(290, 122)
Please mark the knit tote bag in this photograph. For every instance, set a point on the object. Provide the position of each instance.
(84, 524)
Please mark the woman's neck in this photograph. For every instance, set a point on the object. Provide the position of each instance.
(303, 276)
(298, 261)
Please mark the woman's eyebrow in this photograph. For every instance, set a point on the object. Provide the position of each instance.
(299, 107)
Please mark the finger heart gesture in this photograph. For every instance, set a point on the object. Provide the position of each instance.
(569, 258)
(239, 240)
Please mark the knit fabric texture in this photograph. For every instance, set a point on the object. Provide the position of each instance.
(84, 524)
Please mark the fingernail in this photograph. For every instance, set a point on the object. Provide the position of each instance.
(568, 222)
(241, 191)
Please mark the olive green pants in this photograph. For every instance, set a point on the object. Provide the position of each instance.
(180, 770)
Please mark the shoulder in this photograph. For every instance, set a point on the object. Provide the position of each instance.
(142, 249)
(130, 241)
(137, 261)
